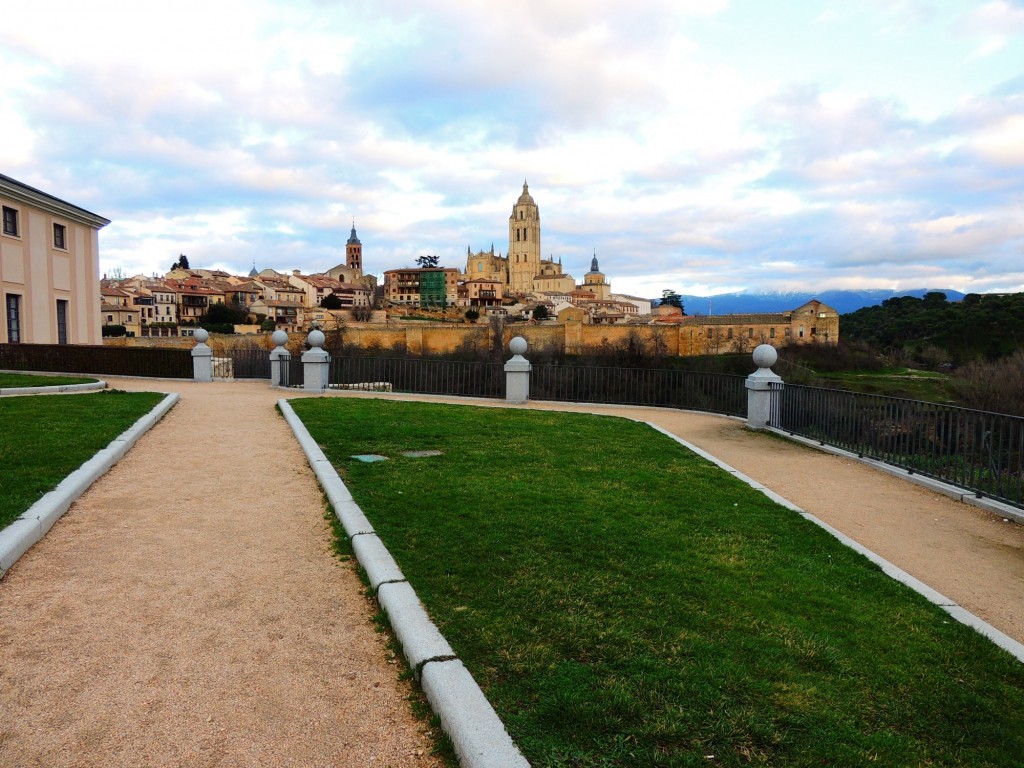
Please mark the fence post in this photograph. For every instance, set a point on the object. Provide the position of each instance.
(760, 385)
(202, 357)
(517, 373)
(315, 363)
(279, 360)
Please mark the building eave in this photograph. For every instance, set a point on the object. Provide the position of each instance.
(23, 193)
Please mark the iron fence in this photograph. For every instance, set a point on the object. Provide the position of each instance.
(712, 392)
(156, 362)
(978, 451)
(242, 364)
(418, 375)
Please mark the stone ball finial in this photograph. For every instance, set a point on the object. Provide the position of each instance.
(201, 335)
(765, 356)
(279, 337)
(316, 338)
(518, 345)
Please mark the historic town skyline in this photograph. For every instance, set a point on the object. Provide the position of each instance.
(705, 147)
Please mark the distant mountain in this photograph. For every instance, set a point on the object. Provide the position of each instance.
(842, 301)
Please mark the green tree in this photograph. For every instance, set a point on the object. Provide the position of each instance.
(331, 301)
(426, 262)
(672, 299)
(181, 263)
(540, 312)
(222, 314)
(472, 315)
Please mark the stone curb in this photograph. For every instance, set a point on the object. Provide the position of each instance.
(478, 735)
(959, 494)
(32, 525)
(955, 610)
(54, 389)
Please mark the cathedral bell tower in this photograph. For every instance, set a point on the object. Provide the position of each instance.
(354, 251)
(523, 242)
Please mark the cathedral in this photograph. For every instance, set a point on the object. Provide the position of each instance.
(522, 270)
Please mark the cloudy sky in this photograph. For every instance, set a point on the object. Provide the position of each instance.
(701, 145)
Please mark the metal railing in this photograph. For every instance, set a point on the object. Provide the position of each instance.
(156, 362)
(244, 364)
(418, 375)
(978, 451)
(712, 392)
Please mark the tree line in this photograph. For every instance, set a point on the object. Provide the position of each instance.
(933, 331)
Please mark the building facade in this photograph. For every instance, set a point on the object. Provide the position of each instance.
(49, 268)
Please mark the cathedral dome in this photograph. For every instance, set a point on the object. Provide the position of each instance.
(526, 197)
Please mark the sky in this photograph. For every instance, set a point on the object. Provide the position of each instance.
(703, 146)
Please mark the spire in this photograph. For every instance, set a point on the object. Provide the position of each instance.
(352, 239)
(593, 263)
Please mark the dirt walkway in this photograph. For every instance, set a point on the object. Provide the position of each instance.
(187, 611)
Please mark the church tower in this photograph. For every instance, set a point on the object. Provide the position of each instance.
(594, 280)
(523, 243)
(354, 251)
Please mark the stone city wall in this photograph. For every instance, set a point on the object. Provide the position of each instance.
(692, 338)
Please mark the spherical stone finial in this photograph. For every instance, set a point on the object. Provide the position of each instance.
(518, 345)
(316, 338)
(765, 356)
(279, 337)
(201, 335)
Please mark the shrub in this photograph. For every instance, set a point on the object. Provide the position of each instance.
(996, 386)
(113, 330)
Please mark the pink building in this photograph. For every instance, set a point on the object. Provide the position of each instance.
(49, 268)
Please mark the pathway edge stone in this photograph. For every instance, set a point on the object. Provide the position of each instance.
(54, 389)
(18, 537)
(476, 731)
(950, 606)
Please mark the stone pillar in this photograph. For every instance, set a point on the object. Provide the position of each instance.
(517, 373)
(760, 385)
(280, 359)
(315, 363)
(202, 357)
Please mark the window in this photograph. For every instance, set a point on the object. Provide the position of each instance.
(10, 221)
(59, 239)
(62, 318)
(750, 333)
(730, 333)
(13, 313)
(771, 333)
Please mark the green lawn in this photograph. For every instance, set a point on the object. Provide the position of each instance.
(623, 602)
(43, 438)
(895, 382)
(10, 380)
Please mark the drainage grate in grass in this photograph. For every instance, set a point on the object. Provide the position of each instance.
(369, 458)
(421, 454)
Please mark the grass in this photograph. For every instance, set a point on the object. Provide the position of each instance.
(895, 382)
(11, 380)
(622, 602)
(43, 438)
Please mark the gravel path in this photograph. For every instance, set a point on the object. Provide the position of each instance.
(187, 611)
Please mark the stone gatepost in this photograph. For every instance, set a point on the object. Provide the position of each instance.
(280, 359)
(202, 357)
(517, 373)
(315, 363)
(760, 385)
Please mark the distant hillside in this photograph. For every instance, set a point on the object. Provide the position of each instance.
(985, 325)
(842, 301)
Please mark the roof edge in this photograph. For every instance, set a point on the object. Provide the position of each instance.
(23, 193)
